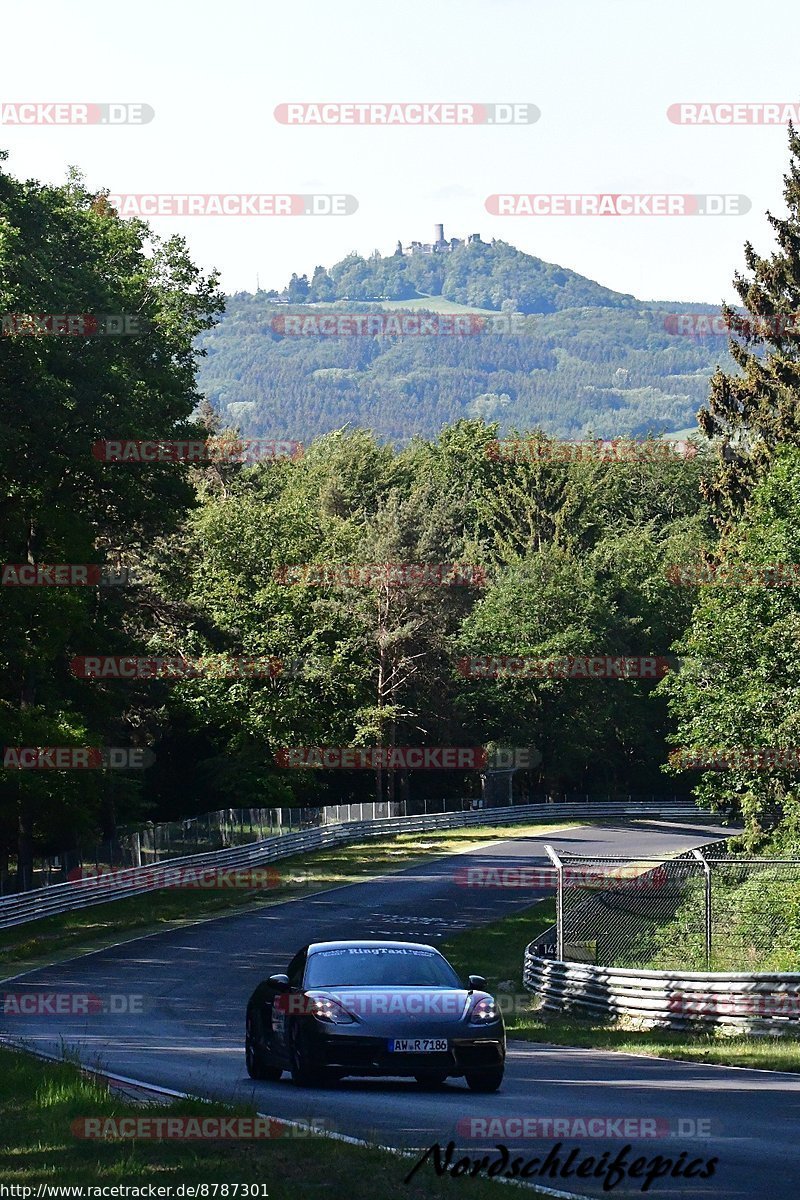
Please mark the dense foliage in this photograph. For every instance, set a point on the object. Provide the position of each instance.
(599, 367)
(477, 274)
(578, 555)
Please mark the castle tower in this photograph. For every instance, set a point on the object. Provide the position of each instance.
(439, 235)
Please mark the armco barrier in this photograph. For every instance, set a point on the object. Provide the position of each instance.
(65, 897)
(757, 1003)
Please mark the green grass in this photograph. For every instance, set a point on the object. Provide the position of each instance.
(682, 434)
(496, 951)
(64, 936)
(424, 303)
(436, 304)
(39, 1101)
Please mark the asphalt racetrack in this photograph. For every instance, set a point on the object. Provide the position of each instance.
(194, 983)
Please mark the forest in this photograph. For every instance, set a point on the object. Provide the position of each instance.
(568, 356)
(219, 561)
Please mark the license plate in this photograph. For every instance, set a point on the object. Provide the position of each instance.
(418, 1045)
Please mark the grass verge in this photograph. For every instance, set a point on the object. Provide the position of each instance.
(56, 938)
(39, 1102)
(497, 951)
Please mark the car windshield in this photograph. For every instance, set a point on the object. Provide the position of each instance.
(379, 966)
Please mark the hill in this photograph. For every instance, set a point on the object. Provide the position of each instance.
(578, 358)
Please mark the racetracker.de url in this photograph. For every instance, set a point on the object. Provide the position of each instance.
(138, 1191)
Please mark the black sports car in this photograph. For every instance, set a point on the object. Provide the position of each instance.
(374, 1008)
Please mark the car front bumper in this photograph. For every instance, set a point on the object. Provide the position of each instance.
(357, 1055)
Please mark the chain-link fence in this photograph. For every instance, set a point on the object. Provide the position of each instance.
(219, 830)
(229, 827)
(700, 911)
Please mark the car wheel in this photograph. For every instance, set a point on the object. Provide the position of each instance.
(486, 1080)
(304, 1073)
(257, 1066)
(431, 1078)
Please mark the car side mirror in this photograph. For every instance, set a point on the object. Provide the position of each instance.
(477, 983)
(279, 982)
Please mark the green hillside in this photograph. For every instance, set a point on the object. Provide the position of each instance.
(580, 359)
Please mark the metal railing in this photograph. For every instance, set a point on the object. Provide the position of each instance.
(702, 910)
(228, 827)
(29, 906)
(758, 1002)
(220, 830)
(700, 907)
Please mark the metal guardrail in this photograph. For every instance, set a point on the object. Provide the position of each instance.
(23, 907)
(758, 1002)
(755, 1003)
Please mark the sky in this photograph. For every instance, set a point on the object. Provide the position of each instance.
(602, 72)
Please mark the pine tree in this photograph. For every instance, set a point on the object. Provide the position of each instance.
(755, 411)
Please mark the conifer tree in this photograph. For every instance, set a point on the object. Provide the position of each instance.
(754, 411)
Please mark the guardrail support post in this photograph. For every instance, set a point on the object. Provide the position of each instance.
(559, 866)
(707, 872)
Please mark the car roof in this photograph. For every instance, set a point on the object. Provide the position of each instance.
(359, 942)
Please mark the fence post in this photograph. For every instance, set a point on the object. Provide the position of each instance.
(559, 866)
(707, 872)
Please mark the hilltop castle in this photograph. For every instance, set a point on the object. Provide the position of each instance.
(440, 244)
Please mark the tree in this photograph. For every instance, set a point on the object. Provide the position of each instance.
(739, 691)
(321, 288)
(753, 412)
(64, 250)
(298, 289)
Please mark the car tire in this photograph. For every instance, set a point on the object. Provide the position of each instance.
(305, 1074)
(257, 1066)
(488, 1079)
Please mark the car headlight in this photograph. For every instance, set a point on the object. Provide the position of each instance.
(484, 1011)
(330, 1011)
